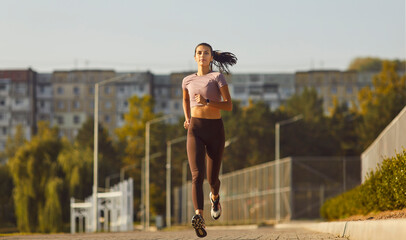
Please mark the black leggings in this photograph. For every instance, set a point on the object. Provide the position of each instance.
(205, 137)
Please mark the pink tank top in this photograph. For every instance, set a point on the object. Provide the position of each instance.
(207, 85)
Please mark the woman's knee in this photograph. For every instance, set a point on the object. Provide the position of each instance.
(197, 177)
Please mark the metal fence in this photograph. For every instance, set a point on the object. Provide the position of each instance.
(392, 140)
(249, 195)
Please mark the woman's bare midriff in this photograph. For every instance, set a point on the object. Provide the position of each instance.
(206, 112)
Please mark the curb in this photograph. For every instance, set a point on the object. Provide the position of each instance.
(357, 230)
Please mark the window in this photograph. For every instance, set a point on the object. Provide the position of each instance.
(141, 88)
(125, 103)
(92, 104)
(21, 88)
(91, 90)
(76, 104)
(42, 104)
(60, 120)
(176, 105)
(122, 90)
(59, 90)
(76, 119)
(3, 87)
(61, 105)
(1, 116)
(4, 130)
(2, 102)
(42, 89)
(18, 101)
(239, 90)
(106, 89)
(107, 104)
(76, 90)
(349, 90)
(333, 89)
(107, 118)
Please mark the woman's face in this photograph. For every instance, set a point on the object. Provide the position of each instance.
(203, 55)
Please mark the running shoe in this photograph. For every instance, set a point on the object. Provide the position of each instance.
(199, 226)
(215, 207)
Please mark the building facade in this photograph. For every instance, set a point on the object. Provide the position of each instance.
(330, 84)
(17, 103)
(273, 89)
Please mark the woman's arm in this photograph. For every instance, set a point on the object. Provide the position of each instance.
(226, 104)
(186, 108)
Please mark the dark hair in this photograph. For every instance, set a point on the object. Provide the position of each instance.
(222, 60)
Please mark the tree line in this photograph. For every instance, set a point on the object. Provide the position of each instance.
(42, 174)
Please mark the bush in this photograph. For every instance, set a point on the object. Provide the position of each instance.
(384, 189)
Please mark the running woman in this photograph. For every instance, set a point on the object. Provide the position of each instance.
(205, 93)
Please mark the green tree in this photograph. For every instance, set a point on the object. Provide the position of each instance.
(38, 186)
(13, 143)
(380, 105)
(7, 217)
(374, 64)
(109, 159)
(343, 124)
(366, 64)
(310, 136)
(132, 136)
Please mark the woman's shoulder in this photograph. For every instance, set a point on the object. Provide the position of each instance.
(189, 77)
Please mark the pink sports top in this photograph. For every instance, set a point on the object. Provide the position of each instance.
(207, 85)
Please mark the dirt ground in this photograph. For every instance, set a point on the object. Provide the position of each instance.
(379, 216)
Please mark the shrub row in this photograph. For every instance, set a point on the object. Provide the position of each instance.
(384, 189)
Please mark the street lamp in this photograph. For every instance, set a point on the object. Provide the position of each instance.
(147, 165)
(168, 176)
(96, 139)
(277, 162)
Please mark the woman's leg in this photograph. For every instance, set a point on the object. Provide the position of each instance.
(196, 152)
(215, 150)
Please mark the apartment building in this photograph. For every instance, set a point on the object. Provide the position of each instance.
(73, 97)
(140, 84)
(273, 89)
(17, 103)
(44, 101)
(330, 84)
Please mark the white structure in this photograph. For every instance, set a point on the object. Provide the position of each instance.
(115, 210)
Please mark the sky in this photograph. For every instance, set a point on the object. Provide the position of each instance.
(267, 36)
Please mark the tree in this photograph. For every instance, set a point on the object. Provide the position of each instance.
(7, 217)
(366, 64)
(343, 124)
(132, 136)
(380, 104)
(310, 136)
(374, 64)
(13, 143)
(38, 186)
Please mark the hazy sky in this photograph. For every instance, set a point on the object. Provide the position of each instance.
(160, 36)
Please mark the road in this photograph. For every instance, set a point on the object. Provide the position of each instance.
(263, 233)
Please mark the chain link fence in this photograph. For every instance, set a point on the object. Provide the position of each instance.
(248, 196)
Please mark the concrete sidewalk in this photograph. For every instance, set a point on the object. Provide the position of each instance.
(223, 233)
(391, 229)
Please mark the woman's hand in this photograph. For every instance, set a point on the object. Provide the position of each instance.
(186, 124)
(200, 99)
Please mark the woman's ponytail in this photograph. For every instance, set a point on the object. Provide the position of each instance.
(222, 60)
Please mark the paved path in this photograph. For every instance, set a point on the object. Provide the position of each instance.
(267, 233)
